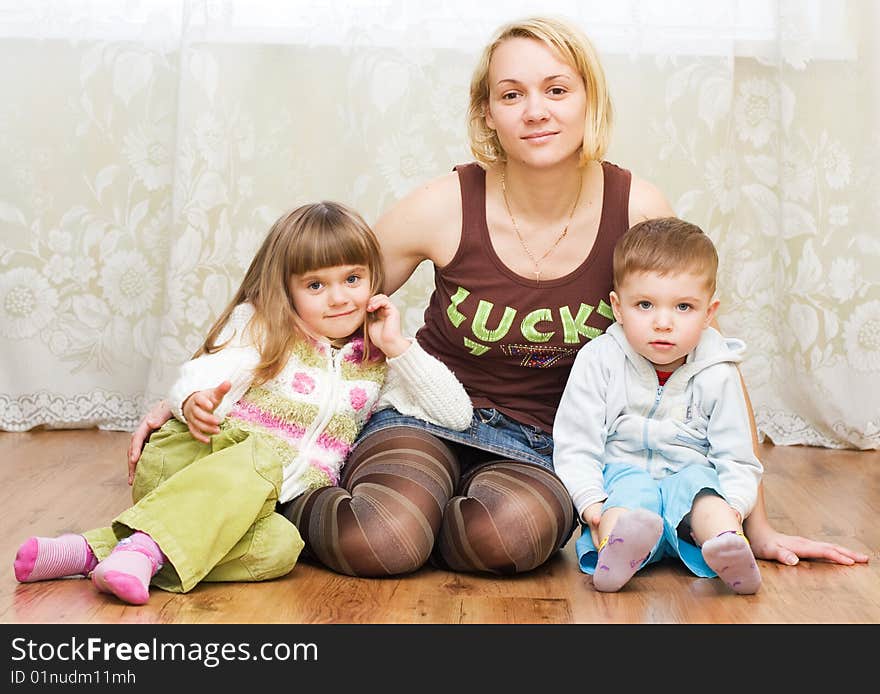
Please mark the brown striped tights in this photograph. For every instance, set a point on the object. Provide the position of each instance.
(403, 500)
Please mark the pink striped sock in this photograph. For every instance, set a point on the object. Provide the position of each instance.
(43, 558)
(126, 573)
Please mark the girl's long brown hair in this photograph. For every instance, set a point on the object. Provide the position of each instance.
(311, 237)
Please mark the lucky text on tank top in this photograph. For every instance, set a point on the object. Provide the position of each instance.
(510, 340)
(525, 336)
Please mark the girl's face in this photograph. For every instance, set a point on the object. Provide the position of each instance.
(332, 302)
(537, 103)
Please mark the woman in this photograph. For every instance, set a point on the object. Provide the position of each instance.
(522, 258)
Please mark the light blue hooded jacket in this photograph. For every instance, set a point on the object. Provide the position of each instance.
(613, 410)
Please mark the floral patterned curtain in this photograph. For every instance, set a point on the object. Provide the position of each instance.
(148, 146)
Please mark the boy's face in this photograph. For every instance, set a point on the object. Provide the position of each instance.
(663, 316)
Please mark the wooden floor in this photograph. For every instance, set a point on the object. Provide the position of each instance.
(62, 481)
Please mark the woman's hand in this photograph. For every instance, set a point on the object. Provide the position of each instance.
(198, 410)
(155, 418)
(383, 325)
(767, 543)
(772, 545)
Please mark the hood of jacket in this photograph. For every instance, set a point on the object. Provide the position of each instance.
(713, 348)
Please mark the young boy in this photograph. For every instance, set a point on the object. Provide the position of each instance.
(652, 435)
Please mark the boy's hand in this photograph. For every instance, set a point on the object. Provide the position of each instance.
(591, 516)
(383, 326)
(198, 411)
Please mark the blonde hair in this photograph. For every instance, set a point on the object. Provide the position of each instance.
(665, 245)
(311, 237)
(573, 47)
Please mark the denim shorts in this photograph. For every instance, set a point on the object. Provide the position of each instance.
(489, 431)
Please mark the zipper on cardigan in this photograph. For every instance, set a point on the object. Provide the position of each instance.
(327, 409)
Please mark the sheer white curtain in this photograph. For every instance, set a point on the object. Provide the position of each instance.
(147, 146)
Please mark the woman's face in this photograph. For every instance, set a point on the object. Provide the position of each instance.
(537, 103)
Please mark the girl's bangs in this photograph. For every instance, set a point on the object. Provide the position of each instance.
(321, 247)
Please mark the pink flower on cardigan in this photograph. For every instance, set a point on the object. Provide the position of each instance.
(303, 383)
(357, 350)
(358, 398)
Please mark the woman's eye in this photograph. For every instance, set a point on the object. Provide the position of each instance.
(558, 91)
(509, 96)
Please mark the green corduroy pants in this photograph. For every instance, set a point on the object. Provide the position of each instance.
(209, 507)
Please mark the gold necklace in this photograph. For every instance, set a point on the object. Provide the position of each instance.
(537, 261)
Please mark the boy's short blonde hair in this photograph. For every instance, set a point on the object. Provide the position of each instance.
(665, 245)
(573, 47)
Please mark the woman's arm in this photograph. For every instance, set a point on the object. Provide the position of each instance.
(424, 225)
(772, 545)
(768, 543)
(646, 202)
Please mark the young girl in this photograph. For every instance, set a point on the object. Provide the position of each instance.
(267, 409)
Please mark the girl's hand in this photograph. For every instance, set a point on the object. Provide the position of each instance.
(383, 326)
(198, 411)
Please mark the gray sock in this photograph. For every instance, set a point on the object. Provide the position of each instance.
(730, 556)
(626, 548)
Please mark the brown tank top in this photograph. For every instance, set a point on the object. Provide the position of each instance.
(510, 340)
